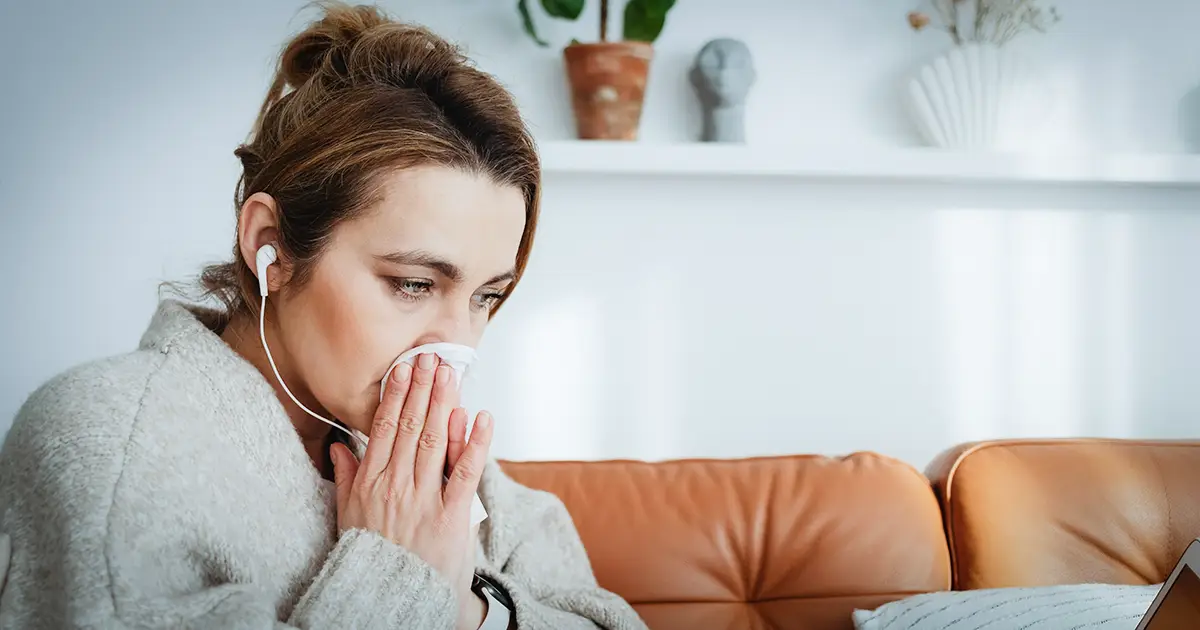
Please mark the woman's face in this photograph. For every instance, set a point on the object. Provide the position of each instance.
(426, 264)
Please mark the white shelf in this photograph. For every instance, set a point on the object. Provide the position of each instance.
(708, 160)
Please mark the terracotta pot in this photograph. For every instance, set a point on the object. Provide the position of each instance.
(608, 83)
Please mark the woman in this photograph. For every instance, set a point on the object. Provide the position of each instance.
(388, 199)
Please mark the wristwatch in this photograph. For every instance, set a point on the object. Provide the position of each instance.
(499, 604)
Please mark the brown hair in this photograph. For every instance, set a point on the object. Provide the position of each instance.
(366, 95)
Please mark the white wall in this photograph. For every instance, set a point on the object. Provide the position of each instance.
(663, 317)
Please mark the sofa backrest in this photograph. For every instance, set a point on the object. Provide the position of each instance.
(797, 541)
(1038, 512)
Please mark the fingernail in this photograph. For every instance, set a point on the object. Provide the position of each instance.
(444, 376)
(426, 361)
(401, 373)
(485, 420)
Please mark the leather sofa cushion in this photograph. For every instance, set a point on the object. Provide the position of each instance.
(781, 542)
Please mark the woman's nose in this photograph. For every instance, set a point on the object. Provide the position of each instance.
(451, 325)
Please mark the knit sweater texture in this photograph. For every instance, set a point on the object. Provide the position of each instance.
(167, 488)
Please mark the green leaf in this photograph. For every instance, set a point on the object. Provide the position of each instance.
(644, 19)
(565, 9)
(527, 20)
(658, 6)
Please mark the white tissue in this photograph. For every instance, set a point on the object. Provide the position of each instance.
(459, 358)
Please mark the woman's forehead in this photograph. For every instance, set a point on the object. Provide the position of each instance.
(461, 216)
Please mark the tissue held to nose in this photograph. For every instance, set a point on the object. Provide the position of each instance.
(457, 356)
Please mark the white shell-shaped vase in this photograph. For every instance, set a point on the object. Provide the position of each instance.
(976, 96)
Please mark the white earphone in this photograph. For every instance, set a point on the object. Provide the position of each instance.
(263, 258)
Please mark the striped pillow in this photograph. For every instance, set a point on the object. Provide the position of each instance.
(1074, 607)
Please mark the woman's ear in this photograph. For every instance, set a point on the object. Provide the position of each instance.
(258, 225)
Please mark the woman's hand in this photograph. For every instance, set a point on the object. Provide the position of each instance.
(398, 489)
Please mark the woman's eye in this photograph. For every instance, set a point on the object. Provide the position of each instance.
(410, 289)
(488, 301)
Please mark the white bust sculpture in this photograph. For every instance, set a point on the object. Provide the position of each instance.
(722, 76)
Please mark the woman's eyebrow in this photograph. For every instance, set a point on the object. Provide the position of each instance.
(418, 258)
(507, 275)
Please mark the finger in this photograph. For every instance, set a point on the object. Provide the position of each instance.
(412, 417)
(345, 467)
(464, 478)
(386, 421)
(432, 449)
(458, 437)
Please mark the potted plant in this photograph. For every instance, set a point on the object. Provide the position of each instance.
(981, 93)
(607, 78)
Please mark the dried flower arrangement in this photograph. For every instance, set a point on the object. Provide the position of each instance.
(986, 21)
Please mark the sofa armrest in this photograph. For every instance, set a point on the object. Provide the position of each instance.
(1040, 512)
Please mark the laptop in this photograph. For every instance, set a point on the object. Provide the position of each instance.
(1177, 605)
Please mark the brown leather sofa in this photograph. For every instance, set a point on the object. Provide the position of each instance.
(801, 541)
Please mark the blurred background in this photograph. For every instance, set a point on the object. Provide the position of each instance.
(671, 311)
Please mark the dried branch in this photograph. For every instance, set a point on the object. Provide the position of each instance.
(981, 15)
(948, 12)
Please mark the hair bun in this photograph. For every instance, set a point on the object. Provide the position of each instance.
(326, 42)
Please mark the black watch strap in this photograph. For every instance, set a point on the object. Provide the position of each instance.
(480, 583)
